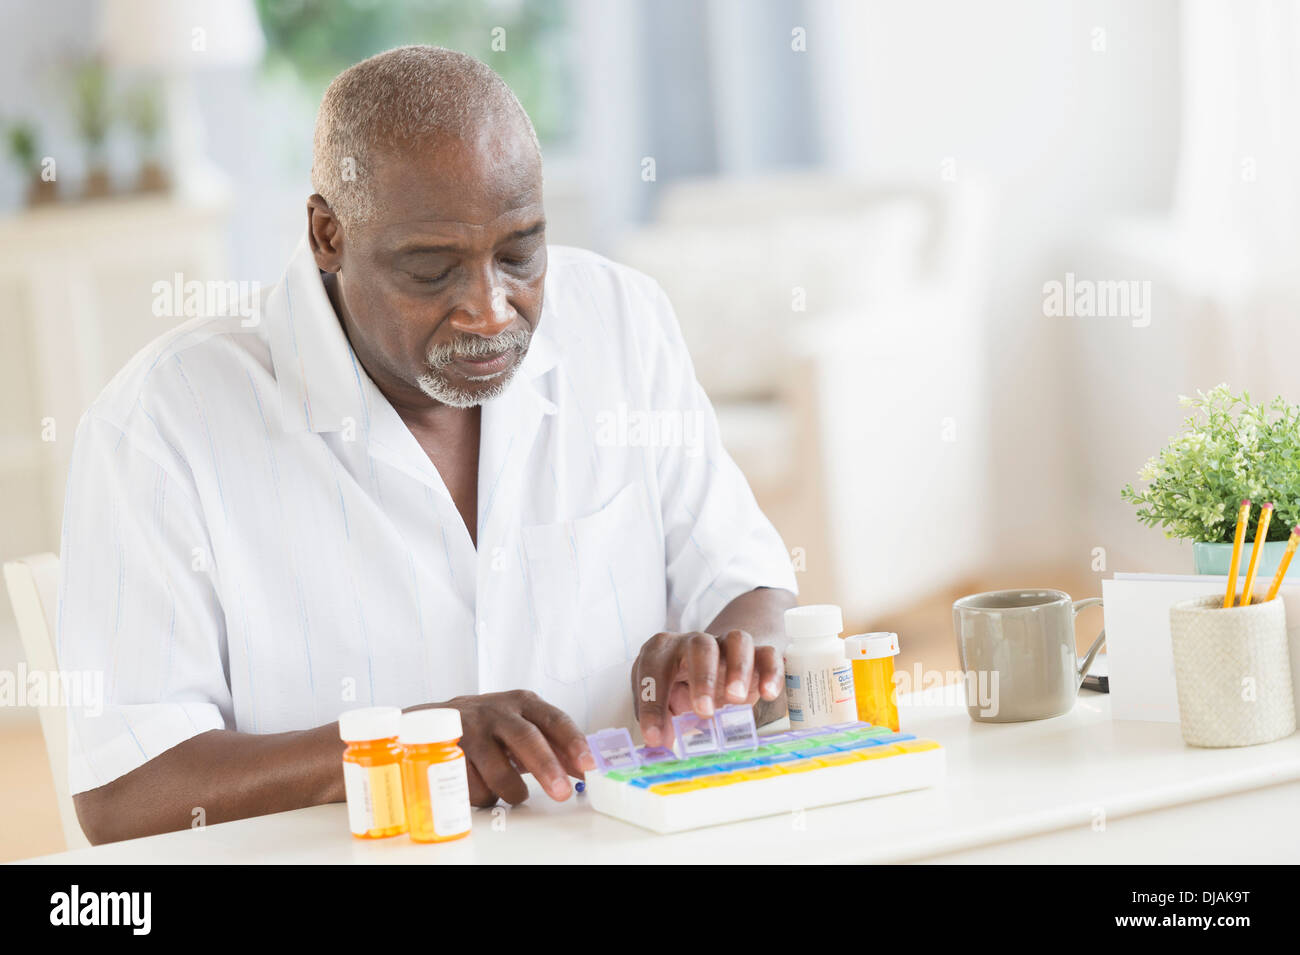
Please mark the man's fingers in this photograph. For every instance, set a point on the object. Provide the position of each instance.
(701, 674)
(770, 669)
(701, 654)
(494, 767)
(738, 653)
(531, 750)
(679, 699)
(480, 794)
(654, 675)
(563, 734)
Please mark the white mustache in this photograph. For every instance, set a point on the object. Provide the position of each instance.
(477, 348)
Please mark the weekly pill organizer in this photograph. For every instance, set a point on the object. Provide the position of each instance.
(723, 771)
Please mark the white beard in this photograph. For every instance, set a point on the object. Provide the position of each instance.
(441, 390)
(435, 384)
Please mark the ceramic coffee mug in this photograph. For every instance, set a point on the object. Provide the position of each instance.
(1017, 650)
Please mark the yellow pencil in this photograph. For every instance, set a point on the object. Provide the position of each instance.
(1285, 562)
(1243, 518)
(1265, 515)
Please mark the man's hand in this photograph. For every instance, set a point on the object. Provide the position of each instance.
(506, 734)
(678, 672)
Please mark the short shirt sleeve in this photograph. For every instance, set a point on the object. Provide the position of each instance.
(139, 616)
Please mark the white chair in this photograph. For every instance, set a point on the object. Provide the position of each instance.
(34, 589)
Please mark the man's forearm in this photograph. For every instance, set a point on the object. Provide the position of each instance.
(761, 614)
(227, 775)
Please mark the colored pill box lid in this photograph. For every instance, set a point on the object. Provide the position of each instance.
(655, 754)
(696, 735)
(813, 750)
(791, 745)
(834, 738)
(645, 782)
(704, 771)
(895, 738)
(736, 729)
(613, 749)
(779, 758)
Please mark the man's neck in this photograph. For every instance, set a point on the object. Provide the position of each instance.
(437, 420)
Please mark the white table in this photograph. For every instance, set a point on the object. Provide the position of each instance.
(1078, 788)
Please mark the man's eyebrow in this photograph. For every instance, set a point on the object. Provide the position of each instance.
(533, 229)
(421, 248)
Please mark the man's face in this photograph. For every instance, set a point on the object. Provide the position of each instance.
(442, 287)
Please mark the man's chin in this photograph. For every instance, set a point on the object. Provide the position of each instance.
(463, 391)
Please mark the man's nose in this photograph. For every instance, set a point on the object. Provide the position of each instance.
(484, 310)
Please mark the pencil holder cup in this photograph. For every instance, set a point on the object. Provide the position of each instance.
(1233, 671)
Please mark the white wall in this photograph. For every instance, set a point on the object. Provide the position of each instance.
(1012, 91)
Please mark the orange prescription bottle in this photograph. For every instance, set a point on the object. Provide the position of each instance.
(872, 655)
(372, 774)
(434, 777)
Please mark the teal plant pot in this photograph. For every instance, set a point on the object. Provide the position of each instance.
(1215, 558)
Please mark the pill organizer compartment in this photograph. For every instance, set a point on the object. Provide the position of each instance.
(723, 771)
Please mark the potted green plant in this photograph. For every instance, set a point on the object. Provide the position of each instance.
(93, 121)
(143, 112)
(21, 140)
(1230, 449)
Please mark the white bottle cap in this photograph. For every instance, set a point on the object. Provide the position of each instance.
(370, 722)
(431, 726)
(871, 646)
(815, 620)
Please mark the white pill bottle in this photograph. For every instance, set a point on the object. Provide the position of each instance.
(818, 676)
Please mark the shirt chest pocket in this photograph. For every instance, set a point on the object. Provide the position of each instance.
(596, 585)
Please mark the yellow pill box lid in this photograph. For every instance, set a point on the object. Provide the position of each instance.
(871, 646)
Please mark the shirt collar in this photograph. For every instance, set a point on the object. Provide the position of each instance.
(322, 385)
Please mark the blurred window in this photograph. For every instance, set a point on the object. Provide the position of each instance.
(312, 41)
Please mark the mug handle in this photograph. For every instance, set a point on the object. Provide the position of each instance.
(1086, 663)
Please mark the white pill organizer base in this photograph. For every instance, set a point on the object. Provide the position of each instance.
(771, 796)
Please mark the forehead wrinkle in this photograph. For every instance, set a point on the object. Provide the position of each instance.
(435, 224)
(475, 188)
(450, 237)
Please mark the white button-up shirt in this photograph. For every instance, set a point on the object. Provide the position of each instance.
(254, 540)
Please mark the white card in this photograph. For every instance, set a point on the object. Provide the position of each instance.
(1138, 647)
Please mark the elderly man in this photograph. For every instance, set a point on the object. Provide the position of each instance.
(400, 488)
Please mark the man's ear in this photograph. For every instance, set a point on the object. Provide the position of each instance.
(325, 233)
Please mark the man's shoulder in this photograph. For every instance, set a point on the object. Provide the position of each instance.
(577, 266)
(162, 371)
(626, 305)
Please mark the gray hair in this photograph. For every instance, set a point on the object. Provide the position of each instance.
(402, 97)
